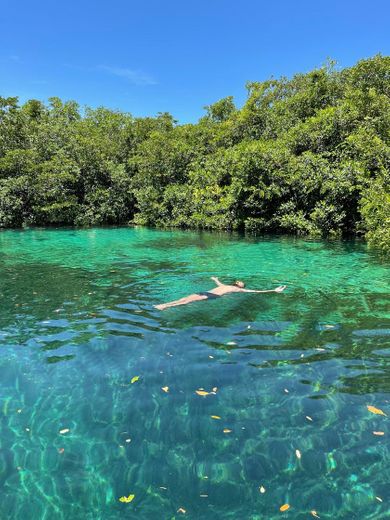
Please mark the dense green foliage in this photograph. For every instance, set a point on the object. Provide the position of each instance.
(307, 155)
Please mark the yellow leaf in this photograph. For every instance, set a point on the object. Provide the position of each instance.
(284, 507)
(377, 411)
(378, 433)
(165, 389)
(128, 499)
(135, 379)
(202, 392)
(315, 514)
(215, 416)
(226, 430)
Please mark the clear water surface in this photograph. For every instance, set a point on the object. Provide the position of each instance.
(293, 375)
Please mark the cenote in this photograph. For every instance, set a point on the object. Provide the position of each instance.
(289, 378)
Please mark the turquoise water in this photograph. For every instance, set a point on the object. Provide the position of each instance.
(293, 372)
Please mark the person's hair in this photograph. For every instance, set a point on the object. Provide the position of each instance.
(239, 284)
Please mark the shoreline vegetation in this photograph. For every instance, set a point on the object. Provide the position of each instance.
(308, 155)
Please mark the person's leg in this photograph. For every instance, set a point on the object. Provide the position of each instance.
(183, 301)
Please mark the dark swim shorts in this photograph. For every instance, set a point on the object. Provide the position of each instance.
(209, 295)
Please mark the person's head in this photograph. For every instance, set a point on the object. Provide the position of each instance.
(239, 284)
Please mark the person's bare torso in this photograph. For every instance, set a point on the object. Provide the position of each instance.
(225, 289)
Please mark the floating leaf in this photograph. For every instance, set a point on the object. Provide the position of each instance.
(202, 392)
(309, 418)
(134, 379)
(379, 499)
(315, 514)
(215, 389)
(262, 489)
(65, 430)
(61, 450)
(377, 411)
(128, 499)
(286, 391)
(181, 510)
(284, 507)
(215, 416)
(226, 430)
(298, 454)
(165, 389)
(378, 433)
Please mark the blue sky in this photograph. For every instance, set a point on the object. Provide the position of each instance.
(176, 56)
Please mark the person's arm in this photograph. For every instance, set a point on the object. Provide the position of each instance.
(279, 289)
(216, 280)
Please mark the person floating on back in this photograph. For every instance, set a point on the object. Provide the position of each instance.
(218, 291)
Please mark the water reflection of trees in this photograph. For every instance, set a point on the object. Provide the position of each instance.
(117, 301)
(331, 330)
